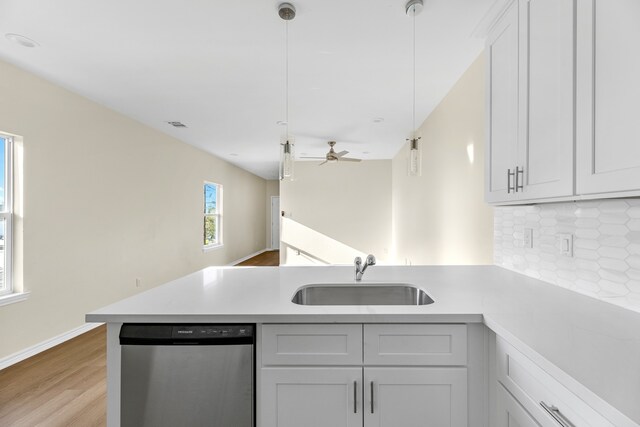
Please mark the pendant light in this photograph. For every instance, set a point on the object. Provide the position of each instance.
(412, 9)
(287, 12)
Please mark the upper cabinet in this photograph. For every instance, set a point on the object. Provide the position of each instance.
(607, 104)
(502, 111)
(562, 91)
(530, 154)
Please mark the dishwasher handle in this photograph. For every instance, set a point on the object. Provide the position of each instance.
(186, 334)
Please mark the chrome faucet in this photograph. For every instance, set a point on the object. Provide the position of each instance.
(360, 267)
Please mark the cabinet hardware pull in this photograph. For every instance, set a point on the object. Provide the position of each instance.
(519, 183)
(556, 415)
(372, 397)
(355, 397)
(509, 175)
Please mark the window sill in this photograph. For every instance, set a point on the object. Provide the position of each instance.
(13, 298)
(210, 248)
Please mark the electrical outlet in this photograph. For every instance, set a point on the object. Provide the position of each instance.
(566, 244)
(527, 239)
(138, 282)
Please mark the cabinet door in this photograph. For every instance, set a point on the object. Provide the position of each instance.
(608, 142)
(510, 413)
(311, 397)
(502, 107)
(546, 126)
(415, 397)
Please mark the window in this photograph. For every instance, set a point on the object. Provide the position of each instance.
(6, 187)
(212, 215)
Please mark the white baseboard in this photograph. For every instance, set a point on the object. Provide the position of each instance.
(14, 358)
(238, 261)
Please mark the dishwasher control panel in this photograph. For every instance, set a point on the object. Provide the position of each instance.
(186, 334)
(212, 331)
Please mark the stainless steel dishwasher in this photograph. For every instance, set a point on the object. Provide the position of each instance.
(187, 375)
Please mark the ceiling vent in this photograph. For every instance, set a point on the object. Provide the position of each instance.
(177, 124)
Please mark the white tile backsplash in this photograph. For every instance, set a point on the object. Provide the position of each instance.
(606, 246)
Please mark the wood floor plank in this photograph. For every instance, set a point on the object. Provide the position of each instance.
(265, 259)
(67, 384)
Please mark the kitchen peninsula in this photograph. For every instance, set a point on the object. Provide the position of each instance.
(588, 348)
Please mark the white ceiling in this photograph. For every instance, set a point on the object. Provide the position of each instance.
(218, 67)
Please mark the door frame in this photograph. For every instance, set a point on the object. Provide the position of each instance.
(271, 243)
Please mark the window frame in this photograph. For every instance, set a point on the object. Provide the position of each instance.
(7, 214)
(218, 216)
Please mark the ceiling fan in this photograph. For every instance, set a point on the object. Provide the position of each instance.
(332, 156)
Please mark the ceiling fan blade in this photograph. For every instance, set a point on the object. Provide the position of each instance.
(347, 159)
(342, 153)
(326, 161)
(307, 157)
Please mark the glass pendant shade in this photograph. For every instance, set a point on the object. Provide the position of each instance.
(287, 159)
(415, 157)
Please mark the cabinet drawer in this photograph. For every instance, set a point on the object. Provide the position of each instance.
(312, 344)
(532, 387)
(434, 345)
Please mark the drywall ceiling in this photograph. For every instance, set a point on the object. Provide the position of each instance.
(218, 67)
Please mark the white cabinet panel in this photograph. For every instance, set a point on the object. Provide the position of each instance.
(547, 98)
(415, 397)
(311, 397)
(338, 344)
(509, 411)
(502, 106)
(532, 387)
(608, 109)
(389, 344)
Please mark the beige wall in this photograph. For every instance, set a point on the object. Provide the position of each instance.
(108, 200)
(336, 212)
(273, 189)
(440, 217)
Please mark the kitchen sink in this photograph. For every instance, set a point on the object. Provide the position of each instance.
(364, 294)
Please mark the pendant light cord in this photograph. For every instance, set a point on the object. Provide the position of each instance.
(286, 73)
(414, 72)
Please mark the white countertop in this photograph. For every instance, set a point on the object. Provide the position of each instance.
(595, 343)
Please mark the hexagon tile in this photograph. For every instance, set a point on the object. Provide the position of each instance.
(606, 246)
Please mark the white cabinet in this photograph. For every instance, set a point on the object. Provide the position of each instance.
(509, 411)
(530, 150)
(427, 384)
(546, 124)
(608, 142)
(415, 345)
(313, 397)
(502, 107)
(415, 397)
(545, 398)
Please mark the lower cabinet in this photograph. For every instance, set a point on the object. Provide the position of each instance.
(369, 396)
(510, 413)
(313, 397)
(415, 397)
(371, 375)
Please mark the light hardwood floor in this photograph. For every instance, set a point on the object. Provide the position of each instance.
(66, 385)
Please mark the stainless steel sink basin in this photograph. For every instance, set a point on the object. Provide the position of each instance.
(364, 294)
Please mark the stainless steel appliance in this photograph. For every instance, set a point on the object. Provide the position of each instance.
(187, 375)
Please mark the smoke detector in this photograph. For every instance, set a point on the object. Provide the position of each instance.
(286, 11)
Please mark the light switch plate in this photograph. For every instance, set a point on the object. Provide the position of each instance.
(566, 244)
(527, 239)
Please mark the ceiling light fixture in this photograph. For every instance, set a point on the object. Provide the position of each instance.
(412, 9)
(177, 124)
(287, 12)
(21, 40)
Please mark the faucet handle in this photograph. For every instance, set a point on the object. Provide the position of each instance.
(357, 261)
(371, 260)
